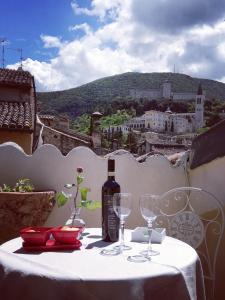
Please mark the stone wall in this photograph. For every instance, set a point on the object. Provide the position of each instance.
(164, 91)
(184, 96)
(62, 141)
(150, 93)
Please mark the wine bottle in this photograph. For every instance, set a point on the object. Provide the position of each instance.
(110, 221)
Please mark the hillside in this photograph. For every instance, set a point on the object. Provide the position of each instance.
(98, 93)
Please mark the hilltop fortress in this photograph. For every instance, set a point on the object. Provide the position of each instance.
(165, 91)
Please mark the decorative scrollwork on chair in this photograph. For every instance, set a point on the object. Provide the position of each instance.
(196, 217)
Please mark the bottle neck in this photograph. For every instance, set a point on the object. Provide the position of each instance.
(111, 175)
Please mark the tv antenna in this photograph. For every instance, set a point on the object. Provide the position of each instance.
(20, 50)
(3, 42)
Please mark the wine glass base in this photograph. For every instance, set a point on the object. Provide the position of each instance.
(110, 252)
(122, 247)
(147, 253)
(138, 258)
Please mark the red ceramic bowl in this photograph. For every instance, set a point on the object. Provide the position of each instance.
(35, 235)
(66, 234)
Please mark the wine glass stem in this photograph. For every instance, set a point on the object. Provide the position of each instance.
(122, 223)
(149, 237)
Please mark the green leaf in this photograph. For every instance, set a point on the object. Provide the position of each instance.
(83, 193)
(62, 198)
(92, 205)
(23, 185)
(6, 188)
(80, 179)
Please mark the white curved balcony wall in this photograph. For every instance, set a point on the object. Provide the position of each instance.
(48, 169)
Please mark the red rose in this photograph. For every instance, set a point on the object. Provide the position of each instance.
(80, 170)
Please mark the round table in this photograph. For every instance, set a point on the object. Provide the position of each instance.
(87, 275)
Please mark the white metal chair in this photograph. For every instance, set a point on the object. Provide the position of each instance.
(196, 217)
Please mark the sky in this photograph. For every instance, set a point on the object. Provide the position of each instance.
(67, 43)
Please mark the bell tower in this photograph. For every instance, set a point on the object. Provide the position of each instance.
(199, 108)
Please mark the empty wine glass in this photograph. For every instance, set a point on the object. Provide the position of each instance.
(122, 203)
(149, 206)
(122, 207)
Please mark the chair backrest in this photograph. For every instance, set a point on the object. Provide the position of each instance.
(196, 217)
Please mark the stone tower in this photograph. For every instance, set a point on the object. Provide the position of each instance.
(199, 108)
(166, 89)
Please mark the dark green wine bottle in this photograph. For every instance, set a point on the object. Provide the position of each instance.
(110, 221)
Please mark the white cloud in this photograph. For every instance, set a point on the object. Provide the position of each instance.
(46, 76)
(221, 50)
(51, 41)
(84, 26)
(103, 9)
(124, 43)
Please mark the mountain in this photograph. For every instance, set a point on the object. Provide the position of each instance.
(104, 91)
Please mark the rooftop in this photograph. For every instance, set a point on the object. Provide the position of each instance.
(15, 77)
(15, 115)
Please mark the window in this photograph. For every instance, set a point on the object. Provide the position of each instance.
(198, 100)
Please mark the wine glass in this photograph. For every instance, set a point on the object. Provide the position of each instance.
(149, 206)
(122, 207)
(122, 203)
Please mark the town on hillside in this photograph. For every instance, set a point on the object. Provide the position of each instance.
(154, 132)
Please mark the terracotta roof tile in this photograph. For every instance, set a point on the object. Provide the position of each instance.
(16, 115)
(15, 77)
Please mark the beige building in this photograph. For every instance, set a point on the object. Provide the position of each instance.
(170, 122)
(164, 122)
(17, 108)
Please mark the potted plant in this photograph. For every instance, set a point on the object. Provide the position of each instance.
(22, 206)
(77, 204)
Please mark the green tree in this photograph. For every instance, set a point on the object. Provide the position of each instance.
(82, 124)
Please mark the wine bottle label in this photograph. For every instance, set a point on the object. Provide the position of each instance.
(111, 173)
(110, 218)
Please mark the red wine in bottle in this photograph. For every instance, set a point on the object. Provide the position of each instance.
(110, 221)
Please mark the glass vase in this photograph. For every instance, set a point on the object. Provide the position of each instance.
(75, 219)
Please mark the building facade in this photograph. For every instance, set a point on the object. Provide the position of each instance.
(117, 128)
(17, 108)
(137, 123)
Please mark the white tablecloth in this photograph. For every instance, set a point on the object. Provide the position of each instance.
(86, 275)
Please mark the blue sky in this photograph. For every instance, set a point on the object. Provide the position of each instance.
(22, 22)
(67, 43)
